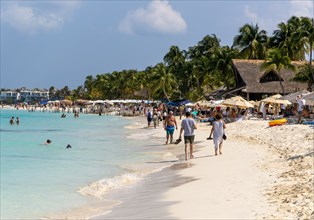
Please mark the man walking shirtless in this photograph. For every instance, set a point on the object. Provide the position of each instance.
(170, 124)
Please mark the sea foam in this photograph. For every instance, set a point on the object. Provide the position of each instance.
(99, 188)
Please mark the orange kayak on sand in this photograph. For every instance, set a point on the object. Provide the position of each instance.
(277, 122)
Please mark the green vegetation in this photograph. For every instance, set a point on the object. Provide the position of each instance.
(206, 66)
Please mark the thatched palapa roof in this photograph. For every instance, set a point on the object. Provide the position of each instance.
(249, 74)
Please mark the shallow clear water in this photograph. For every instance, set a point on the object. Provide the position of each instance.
(37, 180)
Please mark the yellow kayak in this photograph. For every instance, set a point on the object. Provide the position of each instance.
(278, 122)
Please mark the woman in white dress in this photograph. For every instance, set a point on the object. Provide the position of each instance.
(218, 132)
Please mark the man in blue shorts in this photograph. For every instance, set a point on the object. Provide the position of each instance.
(170, 124)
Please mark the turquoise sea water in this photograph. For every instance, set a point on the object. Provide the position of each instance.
(38, 180)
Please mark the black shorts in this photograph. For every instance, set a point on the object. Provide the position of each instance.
(188, 139)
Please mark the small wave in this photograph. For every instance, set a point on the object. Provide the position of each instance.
(135, 126)
(142, 136)
(99, 188)
(138, 136)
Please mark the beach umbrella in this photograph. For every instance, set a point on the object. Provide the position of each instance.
(190, 104)
(89, 102)
(66, 102)
(309, 99)
(80, 101)
(292, 97)
(178, 102)
(255, 103)
(43, 102)
(218, 103)
(99, 102)
(205, 103)
(109, 102)
(276, 99)
(271, 99)
(237, 101)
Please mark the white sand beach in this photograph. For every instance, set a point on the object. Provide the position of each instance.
(264, 173)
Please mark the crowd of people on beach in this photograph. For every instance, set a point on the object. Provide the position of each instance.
(166, 115)
(217, 117)
(161, 113)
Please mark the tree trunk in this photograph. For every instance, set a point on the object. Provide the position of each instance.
(311, 54)
(283, 90)
(164, 90)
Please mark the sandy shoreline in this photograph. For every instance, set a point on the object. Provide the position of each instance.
(263, 173)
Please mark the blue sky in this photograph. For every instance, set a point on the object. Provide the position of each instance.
(59, 43)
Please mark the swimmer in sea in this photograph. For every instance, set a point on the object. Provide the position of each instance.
(69, 146)
(12, 121)
(48, 142)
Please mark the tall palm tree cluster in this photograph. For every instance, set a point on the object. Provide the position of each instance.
(208, 65)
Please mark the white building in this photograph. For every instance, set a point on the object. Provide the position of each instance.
(33, 95)
(10, 95)
(25, 95)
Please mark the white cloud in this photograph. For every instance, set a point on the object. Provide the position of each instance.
(31, 18)
(269, 15)
(158, 16)
(266, 22)
(250, 14)
(302, 8)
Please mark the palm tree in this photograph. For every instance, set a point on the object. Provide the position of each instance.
(208, 44)
(78, 93)
(163, 80)
(307, 32)
(117, 84)
(52, 92)
(251, 42)
(222, 65)
(175, 60)
(102, 85)
(200, 69)
(288, 39)
(88, 84)
(65, 91)
(277, 61)
(304, 75)
(175, 57)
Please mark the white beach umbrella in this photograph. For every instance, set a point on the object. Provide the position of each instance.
(309, 99)
(99, 102)
(292, 97)
(190, 104)
(205, 103)
(89, 102)
(276, 99)
(237, 101)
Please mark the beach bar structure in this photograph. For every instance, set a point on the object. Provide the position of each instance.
(254, 83)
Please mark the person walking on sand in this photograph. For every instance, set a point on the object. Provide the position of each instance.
(188, 125)
(218, 132)
(170, 124)
(149, 118)
(300, 102)
(155, 118)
